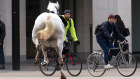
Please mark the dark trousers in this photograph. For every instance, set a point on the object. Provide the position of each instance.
(2, 59)
(105, 45)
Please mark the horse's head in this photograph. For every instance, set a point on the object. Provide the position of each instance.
(53, 7)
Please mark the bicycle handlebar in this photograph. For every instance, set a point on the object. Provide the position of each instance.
(69, 42)
(125, 41)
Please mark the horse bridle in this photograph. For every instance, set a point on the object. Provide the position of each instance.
(48, 11)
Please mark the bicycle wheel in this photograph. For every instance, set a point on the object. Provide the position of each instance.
(126, 61)
(74, 65)
(95, 64)
(49, 69)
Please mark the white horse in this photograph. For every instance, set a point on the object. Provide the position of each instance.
(48, 31)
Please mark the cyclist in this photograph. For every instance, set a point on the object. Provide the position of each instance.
(104, 38)
(121, 27)
(70, 26)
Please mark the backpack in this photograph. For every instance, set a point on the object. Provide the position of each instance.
(126, 33)
(97, 29)
(64, 21)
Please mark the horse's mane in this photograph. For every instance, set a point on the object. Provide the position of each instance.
(53, 7)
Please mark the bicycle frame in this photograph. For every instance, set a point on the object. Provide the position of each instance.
(68, 54)
(120, 53)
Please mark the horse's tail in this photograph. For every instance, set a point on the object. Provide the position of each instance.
(47, 32)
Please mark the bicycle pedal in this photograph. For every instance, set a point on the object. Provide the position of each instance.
(44, 63)
(58, 68)
(107, 69)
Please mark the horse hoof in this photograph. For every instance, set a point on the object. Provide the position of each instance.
(36, 63)
(61, 65)
(63, 77)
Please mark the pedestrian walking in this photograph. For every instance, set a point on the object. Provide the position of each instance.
(2, 36)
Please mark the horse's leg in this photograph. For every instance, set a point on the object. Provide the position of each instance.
(45, 55)
(37, 55)
(60, 59)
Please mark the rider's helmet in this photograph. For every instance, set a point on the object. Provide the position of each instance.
(67, 11)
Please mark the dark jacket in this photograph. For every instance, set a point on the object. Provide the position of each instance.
(106, 30)
(121, 29)
(2, 31)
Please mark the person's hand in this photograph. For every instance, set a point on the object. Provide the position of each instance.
(0, 43)
(66, 43)
(77, 42)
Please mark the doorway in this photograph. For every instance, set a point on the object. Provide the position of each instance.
(32, 11)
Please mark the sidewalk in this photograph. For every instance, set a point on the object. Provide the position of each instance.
(29, 65)
(112, 74)
(28, 70)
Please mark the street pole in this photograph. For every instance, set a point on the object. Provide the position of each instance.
(15, 36)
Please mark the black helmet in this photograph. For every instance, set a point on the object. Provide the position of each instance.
(67, 11)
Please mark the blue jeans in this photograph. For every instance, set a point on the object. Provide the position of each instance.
(105, 45)
(2, 59)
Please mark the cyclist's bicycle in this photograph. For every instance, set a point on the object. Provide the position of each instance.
(123, 60)
(72, 61)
